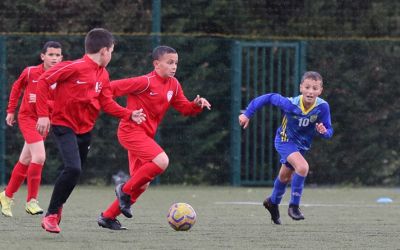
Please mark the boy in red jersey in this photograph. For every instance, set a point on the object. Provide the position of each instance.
(83, 88)
(33, 153)
(154, 93)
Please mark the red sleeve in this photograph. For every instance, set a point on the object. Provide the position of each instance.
(16, 90)
(129, 85)
(58, 73)
(183, 105)
(110, 106)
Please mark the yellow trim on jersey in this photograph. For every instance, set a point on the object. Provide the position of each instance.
(283, 133)
(302, 106)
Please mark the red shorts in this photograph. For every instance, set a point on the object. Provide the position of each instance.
(27, 125)
(141, 147)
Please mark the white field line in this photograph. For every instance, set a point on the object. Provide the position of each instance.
(307, 204)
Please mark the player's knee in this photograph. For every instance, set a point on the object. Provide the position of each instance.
(303, 170)
(162, 160)
(39, 158)
(25, 160)
(284, 179)
(74, 172)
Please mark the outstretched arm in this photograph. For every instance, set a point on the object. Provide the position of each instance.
(261, 101)
(133, 85)
(186, 107)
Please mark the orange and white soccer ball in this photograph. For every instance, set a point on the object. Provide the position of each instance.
(181, 216)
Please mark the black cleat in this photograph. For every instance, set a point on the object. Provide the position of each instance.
(295, 213)
(273, 209)
(124, 201)
(112, 224)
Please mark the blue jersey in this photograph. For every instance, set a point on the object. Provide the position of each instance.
(298, 124)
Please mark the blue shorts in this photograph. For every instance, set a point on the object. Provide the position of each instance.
(285, 148)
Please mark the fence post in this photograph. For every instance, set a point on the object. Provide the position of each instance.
(236, 81)
(3, 85)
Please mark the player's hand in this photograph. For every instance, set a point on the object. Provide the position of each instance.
(244, 121)
(32, 98)
(43, 126)
(10, 119)
(202, 102)
(320, 128)
(138, 116)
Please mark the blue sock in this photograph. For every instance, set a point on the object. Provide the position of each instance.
(278, 191)
(297, 189)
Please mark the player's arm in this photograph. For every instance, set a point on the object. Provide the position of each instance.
(261, 101)
(186, 107)
(110, 106)
(18, 86)
(324, 126)
(57, 73)
(127, 86)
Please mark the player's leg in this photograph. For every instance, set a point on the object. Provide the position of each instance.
(34, 175)
(84, 141)
(145, 174)
(108, 218)
(154, 162)
(18, 176)
(301, 168)
(134, 164)
(278, 191)
(284, 148)
(67, 144)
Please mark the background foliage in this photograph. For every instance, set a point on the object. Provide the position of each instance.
(355, 45)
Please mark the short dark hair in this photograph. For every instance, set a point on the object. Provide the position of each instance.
(312, 75)
(162, 50)
(50, 44)
(98, 38)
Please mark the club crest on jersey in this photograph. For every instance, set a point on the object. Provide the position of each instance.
(98, 87)
(313, 118)
(169, 95)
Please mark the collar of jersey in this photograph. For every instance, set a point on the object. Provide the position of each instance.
(162, 79)
(90, 61)
(302, 106)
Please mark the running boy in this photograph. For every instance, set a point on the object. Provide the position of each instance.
(304, 117)
(33, 153)
(154, 93)
(83, 88)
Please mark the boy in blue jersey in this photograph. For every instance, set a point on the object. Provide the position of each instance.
(305, 116)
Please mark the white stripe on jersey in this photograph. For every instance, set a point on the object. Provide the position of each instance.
(65, 67)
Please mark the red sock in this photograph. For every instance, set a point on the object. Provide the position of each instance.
(113, 210)
(34, 178)
(18, 176)
(146, 173)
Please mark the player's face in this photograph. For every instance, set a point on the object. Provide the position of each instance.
(51, 57)
(167, 64)
(105, 55)
(310, 89)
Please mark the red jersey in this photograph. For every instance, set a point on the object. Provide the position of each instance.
(26, 83)
(154, 95)
(83, 87)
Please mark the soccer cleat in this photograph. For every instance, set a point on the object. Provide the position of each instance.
(112, 224)
(6, 204)
(295, 213)
(124, 201)
(32, 207)
(273, 209)
(50, 223)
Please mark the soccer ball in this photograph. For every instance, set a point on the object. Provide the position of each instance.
(181, 216)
